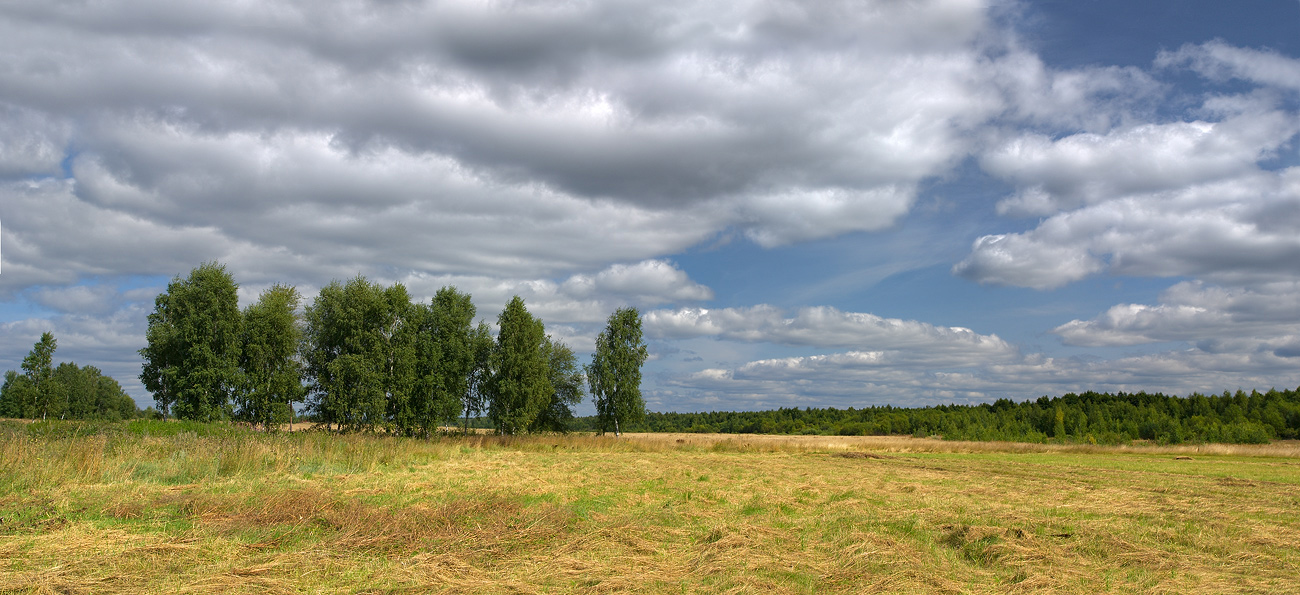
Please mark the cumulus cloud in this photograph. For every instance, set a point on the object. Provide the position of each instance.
(859, 379)
(646, 282)
(1093, 99)
(1220, 61)
(494, 138)
(1266, 318)
(1233, 231)
(1085, 169)
(826, 327)
(1180, 198)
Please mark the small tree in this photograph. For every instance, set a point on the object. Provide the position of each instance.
(615, 372)
(566, 388)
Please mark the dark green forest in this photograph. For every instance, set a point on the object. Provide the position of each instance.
(67, 391)
(1089, 418)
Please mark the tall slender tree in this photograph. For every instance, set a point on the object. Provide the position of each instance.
(520, 387)
(191, 362)
(480, 375)
(398, 342)
(272, 371)
(615, 372)
(445, 359)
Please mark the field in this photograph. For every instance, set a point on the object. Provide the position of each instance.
(241, 512)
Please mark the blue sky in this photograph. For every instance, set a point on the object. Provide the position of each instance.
(812, 203)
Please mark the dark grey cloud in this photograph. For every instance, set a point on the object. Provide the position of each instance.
(740, 114)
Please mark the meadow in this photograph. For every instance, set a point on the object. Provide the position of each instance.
(168, 508)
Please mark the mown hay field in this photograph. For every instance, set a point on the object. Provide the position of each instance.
(311, 512)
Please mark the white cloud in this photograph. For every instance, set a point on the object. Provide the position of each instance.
(860, 379)
(647, 282)
(31, 143)
(498, 139)
(826, 327)
(1259, 318)
(1219, 61)
(1181, 198)
(79, 299)
(1085, 169)
(1091, 99)
(1234, 231)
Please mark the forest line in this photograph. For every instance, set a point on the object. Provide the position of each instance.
(364, 357)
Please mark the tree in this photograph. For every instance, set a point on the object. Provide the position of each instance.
(36, 392)
(81, 386)
(360, 353)
(566, 388)
(111, 402)
(48, 396)
(397, 351)
(65, 391)
(272, 372)
(14, 394)
(92, 395)
(480, 375)
(520, 387)
(615, 372)
(445, 359)
(191, 362)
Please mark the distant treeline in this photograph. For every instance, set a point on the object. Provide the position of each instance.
(1090, 417)
(67, 391)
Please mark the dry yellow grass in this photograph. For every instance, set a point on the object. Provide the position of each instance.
(318, 513)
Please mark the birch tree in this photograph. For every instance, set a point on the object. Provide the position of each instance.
(615, 372)
(191, 362)
(520, 386)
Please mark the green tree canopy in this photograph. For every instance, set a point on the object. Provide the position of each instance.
(191, 362)
(360, 354)
(445, 359)
(272, 372)
(566, 388)
(520, 387)
(480, 374)
(34, 393)
(615, 372)
(65, 391)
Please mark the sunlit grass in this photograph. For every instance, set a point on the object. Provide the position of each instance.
(238, 511)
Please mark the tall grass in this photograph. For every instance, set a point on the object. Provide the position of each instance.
(150, 508)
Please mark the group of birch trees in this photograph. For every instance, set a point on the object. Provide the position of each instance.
(363, 356)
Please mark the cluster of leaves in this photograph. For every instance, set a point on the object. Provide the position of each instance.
(363, 357)
(1090, 417)
(68, 391)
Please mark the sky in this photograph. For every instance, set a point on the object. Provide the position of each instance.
(813, 203)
